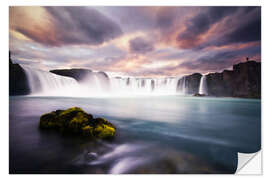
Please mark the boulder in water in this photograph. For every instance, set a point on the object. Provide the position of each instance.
(76, 121)
(199, 95)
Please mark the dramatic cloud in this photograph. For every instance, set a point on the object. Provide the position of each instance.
(246, 33)
(222, 59)
(140, 45)
(73, 25)
(201, 23)
(135, 41)
(246, 27)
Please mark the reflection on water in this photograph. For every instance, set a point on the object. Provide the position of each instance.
(172, 134)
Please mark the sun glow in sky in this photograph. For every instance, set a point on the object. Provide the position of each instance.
(135, 41)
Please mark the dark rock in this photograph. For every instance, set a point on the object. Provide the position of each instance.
(193, 83)
(247, 79)
(243, 81)
(85, 76)
(103, 74)
(190, 82)
(78, 74)
(199, 95)
(216, 85)
(77, 122)
(18, 83)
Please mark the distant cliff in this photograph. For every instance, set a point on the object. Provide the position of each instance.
(189, 84)
(18, 84)
(243, 81)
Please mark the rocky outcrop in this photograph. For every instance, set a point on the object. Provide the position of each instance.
(215, 85)
(75, 121)
(193, 83)
(18, 83)
(78, 74)
(190, 83)
(243, 81)
(247, 79)
(199, 95)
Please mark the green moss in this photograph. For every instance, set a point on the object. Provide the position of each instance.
(70, 110)
(87, 131)
(104, 131)
(76, 121)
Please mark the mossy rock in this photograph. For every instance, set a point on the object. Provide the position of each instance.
(76, 121)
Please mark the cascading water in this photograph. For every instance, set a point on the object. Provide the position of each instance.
(203, 85)
(134, 86)
(97, 84)
(182, 87)
(46, 83)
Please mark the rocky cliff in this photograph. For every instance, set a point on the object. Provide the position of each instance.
(243, 81)
(78, 74)
(189, 84)
(193, 83)
(18, 84)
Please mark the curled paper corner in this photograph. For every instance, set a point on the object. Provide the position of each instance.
(249, 163)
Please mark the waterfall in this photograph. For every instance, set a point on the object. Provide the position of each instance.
(137, 86)
(42, 82)
(203, 85)
(184, 85)
(97, 84)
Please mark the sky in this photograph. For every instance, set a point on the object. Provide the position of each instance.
(135, 41)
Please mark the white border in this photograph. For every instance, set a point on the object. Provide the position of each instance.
(4, 75)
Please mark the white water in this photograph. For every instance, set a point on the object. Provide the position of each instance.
(140, 86)
(184, 85)
(41, 82)
(96, 84)
(203, 85)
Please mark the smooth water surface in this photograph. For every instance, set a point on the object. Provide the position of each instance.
(167, 134)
